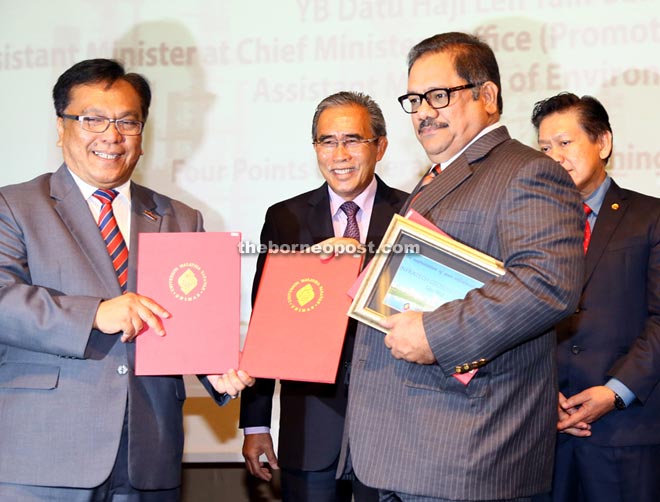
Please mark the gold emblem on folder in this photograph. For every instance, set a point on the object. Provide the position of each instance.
(305, 295)
(187, 281)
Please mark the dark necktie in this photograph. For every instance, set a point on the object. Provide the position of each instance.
(587, 227)
(352, 229)
(111, 234)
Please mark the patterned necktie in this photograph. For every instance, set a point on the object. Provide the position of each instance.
(111, 234)
(428, 178)
(587, 227)
(352, 229)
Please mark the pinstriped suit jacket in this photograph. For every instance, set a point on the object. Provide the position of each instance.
(414, 428)
(62, 398)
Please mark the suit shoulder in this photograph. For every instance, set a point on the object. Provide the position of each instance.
(525, 153)
(644, 207)
(296, 202)
(40, 183)
(643, 200)
(164, 203)
(513, 157)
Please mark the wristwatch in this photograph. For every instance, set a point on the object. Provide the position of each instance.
(619, 404)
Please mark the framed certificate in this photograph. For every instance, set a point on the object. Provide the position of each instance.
(418, 269)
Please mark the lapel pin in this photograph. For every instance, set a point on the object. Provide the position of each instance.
(615, 206)
(150, 215)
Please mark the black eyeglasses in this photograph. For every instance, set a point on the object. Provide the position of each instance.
(92, 123)
(436, 98)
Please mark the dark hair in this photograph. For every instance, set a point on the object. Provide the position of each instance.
(592, 116)
(352, 98)
(474, 60)
(94, 71)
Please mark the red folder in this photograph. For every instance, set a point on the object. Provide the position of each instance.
(196, 277)
(299, 318)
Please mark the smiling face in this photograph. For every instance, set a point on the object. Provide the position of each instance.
(107, 159)
(444, 132)
(562, 138)
(348, 171)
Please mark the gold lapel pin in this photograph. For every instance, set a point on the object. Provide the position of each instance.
(615, 206)
(150, 215)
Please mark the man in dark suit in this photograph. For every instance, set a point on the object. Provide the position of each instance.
(75, 422)
(412, 429)
(349, 135)
(609, 349)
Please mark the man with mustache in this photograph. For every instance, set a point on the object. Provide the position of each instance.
(413, 430)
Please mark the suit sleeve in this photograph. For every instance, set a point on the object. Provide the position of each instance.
(539, 230)
(257, 401)
(639, 369)
(33, 317)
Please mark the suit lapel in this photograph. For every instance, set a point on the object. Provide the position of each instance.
(459, 171)
(318, 220)
(75, 214)
(145, 218)
(612, 211)
(381, 213)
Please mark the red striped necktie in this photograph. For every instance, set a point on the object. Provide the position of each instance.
(111, 234)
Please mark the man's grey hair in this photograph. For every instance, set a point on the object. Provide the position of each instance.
(344, 98)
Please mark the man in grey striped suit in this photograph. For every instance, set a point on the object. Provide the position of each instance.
(413, 430)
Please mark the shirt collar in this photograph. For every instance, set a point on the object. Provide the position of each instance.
(597, 197)
(88, 190)
(483, 132)
(368, 193)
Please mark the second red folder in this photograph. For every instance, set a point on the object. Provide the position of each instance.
(299, 318)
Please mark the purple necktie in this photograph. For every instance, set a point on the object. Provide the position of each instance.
(352, 229)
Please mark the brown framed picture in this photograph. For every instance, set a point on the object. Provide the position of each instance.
(419, 269)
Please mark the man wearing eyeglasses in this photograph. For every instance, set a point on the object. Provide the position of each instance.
(413, 429)
(609, 400)
(75, 422)
(349, 137)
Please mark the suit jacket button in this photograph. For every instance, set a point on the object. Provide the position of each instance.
(576, 349)
(122, 369)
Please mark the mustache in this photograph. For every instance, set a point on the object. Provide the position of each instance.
(430, 123)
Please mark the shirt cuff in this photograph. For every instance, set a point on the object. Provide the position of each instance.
(620, 388)
(256, 430)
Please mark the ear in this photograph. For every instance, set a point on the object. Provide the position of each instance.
(382, 146)
(605, 144)
(488, 94)
(60, 131)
